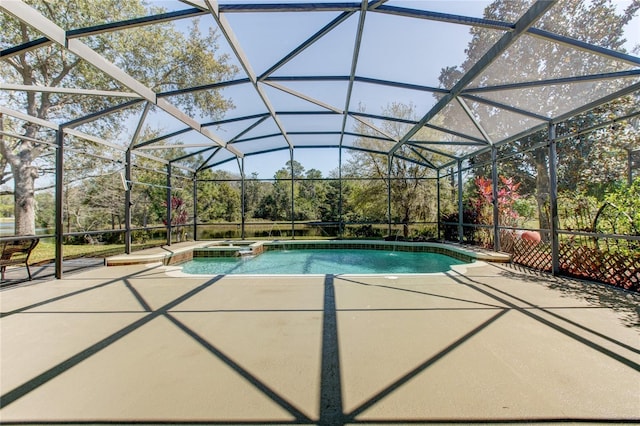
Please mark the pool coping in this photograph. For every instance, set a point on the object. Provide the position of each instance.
(182, 252)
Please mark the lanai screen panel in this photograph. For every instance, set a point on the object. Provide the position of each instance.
(436, 81)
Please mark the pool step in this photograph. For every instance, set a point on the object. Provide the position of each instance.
(245, 253)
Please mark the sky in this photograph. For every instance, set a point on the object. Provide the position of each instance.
(422, 48)
(332, 55)
(393, 48)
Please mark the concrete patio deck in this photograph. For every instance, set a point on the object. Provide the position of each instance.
(493, 344)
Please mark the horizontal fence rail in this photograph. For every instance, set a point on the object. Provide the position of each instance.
(606, 258)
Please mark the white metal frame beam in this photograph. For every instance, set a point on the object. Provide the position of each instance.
(522, 25)
(52, 31)
(473, 119)
(53, 126)
(67, 90)
(459, 93)
(354, 65)
(234, 43)
(331, 108)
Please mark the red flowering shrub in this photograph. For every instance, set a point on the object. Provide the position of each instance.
(179, 216)
(507, 196)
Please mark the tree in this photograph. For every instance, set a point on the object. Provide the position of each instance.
(595, 162)
(6, 209)
(46, 212)
(254, 192)
(276, 205)
(530, 59)
(98, 204)
(218, 200)
(330, 209)
(310, 196)
(309, 192)
(148, 193)
(625, 201)
(160, 56)
(411, 195)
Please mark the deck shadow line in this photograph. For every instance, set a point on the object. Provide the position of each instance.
(71, 294)
(527, 311)
(351, 417)
(137, 295)
(331, 410)
(50, 374)
(567, 320)
(419, 292)
(592, 292)
(384, 421)
(262, 387)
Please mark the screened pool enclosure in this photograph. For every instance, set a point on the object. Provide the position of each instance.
(127, 124)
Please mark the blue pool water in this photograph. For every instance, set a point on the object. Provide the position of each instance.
(324, 262)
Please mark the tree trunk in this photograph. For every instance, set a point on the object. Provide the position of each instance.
(543, 191)
(405, 223)
(24, 177)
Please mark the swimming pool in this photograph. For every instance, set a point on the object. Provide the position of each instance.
(321, 261)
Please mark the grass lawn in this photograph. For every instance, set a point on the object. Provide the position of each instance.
(45, 251)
